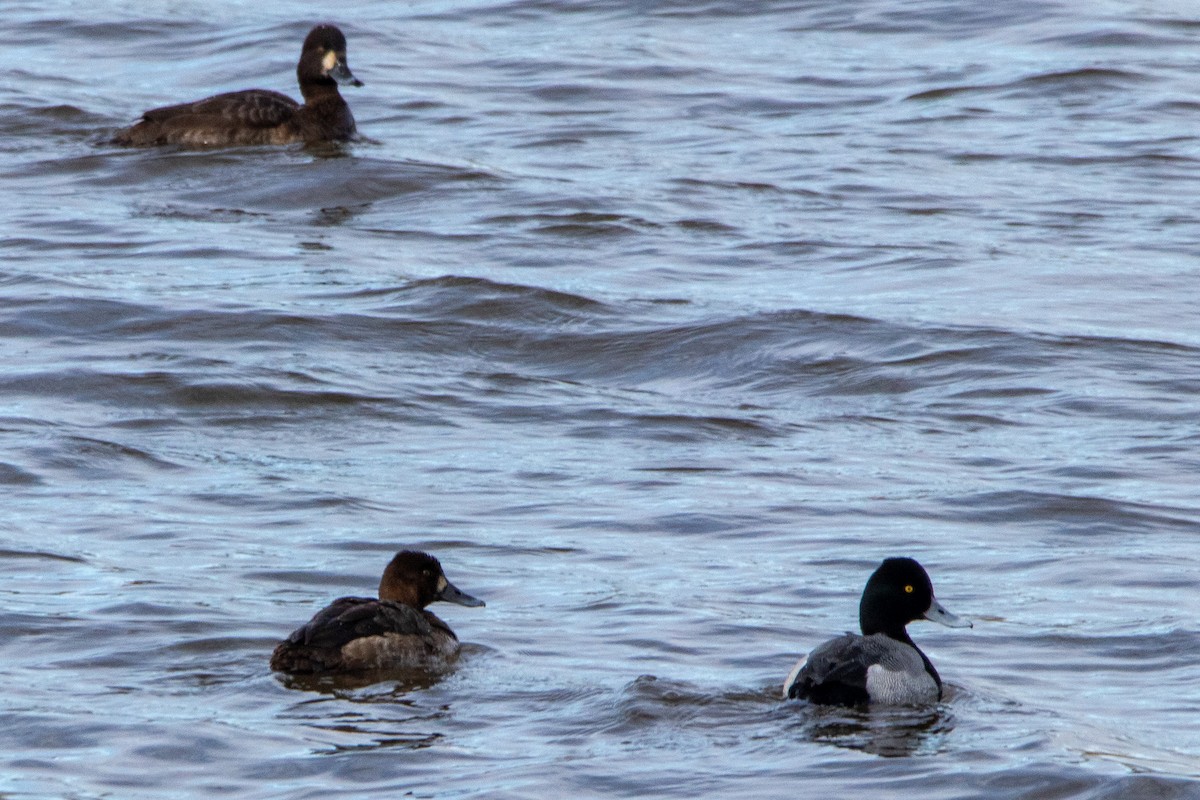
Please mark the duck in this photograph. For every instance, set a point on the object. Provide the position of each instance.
(355, 634)
(883, 665)
(262, 116)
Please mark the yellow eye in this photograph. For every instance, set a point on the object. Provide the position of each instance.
(908, 589)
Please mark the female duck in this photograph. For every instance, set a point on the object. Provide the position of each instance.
(393, 632)
(261, 116)
(883, 665)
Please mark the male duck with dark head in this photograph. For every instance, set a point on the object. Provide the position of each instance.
(261, 116)
(354, 634)
(883, 665)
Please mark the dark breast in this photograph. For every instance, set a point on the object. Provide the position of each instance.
(324, 119)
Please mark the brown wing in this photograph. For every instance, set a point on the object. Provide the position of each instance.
(350, 618)
(254, 108)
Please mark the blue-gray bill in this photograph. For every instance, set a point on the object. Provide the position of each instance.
(938, 613)
(452, 594)
(342, 74)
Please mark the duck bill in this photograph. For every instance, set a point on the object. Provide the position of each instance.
(452, 594)
(938, 613)
(342, 74)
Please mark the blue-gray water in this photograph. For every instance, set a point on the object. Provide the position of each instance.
(660, 324)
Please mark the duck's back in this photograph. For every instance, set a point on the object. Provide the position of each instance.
(253, 116)
(853, 669)
(362, 633)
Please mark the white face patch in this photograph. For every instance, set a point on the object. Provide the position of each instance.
(329, 61)
(442, 582)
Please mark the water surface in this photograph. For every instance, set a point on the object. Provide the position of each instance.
(660, 325)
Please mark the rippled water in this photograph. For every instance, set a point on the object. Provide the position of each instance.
(660, 324)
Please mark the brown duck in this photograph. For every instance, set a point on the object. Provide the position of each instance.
(261, 116)
(394, 632)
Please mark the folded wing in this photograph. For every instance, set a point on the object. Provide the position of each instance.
(350, 618)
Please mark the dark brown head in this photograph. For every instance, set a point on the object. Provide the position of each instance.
(323, 59)
(416, 579)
